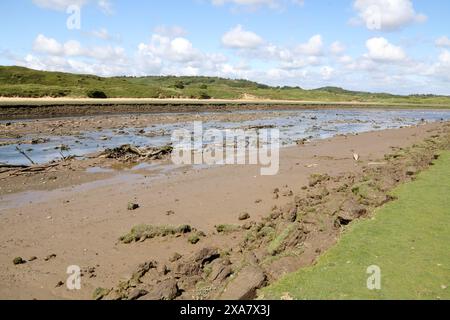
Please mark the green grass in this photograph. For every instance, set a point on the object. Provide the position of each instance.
(409, 239)
(23, 82)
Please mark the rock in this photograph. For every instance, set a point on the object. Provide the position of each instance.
(141, 271)
(18, 261)
(248, 225)
(32, 259)
(50, 257)
(245, 285)
(258, 201)
(206, 255)
(166, 290)
(59, 284)
(221, 270)
(163, 270)
(343, 219)
(175, 257)
(244, 216)
(136, 294)
(188, 269)
(290, 213)
(287, 193)
(133, 206)
(315, 179)
(411, 171)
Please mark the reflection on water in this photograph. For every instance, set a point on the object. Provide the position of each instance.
(294, 125)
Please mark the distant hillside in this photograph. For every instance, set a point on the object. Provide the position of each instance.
(23, 82)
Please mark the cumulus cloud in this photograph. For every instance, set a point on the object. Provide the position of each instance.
(254, 4)
(72, 48)
(382, 51)
(313, 47)
(238, 38)
(443, 42)
(386, 15)
(62, 5)
(170, 31)
(337, 48)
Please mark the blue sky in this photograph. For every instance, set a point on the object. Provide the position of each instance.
(399, 46)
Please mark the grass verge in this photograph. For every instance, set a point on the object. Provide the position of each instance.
(408, 239)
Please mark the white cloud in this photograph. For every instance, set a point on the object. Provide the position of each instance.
(443, 42)
(313, 47)
(381, 50)
(106, 6)
(177, 49)
(238, 38)
(60, 5)
(248, 3)
(254, 4)
(386, 15)
(337, 48)
(170, 31)
(72, 48)
(326, 72)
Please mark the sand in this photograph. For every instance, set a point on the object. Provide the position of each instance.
(80, 219)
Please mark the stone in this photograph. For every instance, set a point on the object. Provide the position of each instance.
(244, 216)
(206, 255)
(245, 285)
(166, 290)
(290, 213)
(411, 171)
(50, 257)
(18, 261)
(175, 257)
(220, 271)
(133, 206)
(136, 294)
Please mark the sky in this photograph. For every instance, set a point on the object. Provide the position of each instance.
(396, 46)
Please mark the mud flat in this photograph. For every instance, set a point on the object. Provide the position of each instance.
(22, 108)
(221, 232)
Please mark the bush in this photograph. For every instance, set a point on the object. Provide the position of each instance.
(97, 94)
(204, 96)
(179, 85)
(203, 87)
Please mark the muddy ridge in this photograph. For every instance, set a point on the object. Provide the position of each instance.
(65, 109)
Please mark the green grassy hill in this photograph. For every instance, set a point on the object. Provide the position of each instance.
(23, 82)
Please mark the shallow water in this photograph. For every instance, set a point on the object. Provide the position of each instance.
(294, 125)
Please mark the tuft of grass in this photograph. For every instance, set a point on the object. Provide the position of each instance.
(408, 240)
(100, 293)
(227, 228)
(276, 244)
(143, 232)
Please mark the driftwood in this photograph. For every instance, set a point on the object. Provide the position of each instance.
(25, 155)
(129, 152)
(21, 170)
